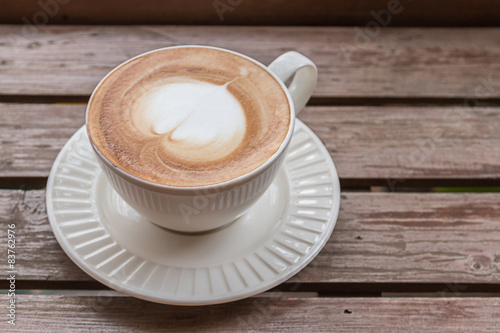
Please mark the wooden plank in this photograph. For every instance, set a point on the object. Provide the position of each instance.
(258, 12)
(32, 134)
(386, 63)
(380, 238)
(125, 314)
(391, 144)
(403, 143)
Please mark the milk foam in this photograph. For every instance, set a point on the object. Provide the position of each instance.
(188, 116)
(198, 121)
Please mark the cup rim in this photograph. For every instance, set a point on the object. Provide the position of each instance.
(229, 183)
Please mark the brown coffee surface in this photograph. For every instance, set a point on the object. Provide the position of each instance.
(188, 116)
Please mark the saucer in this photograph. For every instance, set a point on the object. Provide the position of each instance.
(111, 242)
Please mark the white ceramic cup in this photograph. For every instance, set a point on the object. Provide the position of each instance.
(203, 208)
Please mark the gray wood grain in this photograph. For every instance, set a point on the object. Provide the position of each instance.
(275, 314)
(379, 238)
(392, 144)
(391, 62)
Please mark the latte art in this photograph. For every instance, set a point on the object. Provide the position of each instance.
(188, 116)
(193, 120)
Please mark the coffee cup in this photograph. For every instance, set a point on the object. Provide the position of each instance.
(192, 136)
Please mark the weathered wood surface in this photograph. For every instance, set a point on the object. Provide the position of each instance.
(124, 314)
(392, 62)
(379, 238)
(32, 134)
(393, 144)
(383, 242)
(260, 12)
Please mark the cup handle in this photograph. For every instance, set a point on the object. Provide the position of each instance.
(304, 81)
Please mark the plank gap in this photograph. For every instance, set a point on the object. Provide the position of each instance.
(259, 12)
(347, 184)
(450, 289)
(44, 99)
(418, 184)
(464, 101)
(23, 183)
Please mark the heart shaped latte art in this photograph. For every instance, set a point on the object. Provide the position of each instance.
(197, 121)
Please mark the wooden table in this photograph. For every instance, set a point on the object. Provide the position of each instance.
(402, 111)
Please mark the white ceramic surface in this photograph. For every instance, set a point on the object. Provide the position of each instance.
(279, 236)
(172, 206)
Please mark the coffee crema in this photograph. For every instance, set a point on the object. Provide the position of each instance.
(188, 116)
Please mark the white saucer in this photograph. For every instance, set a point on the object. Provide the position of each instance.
(278, 237)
